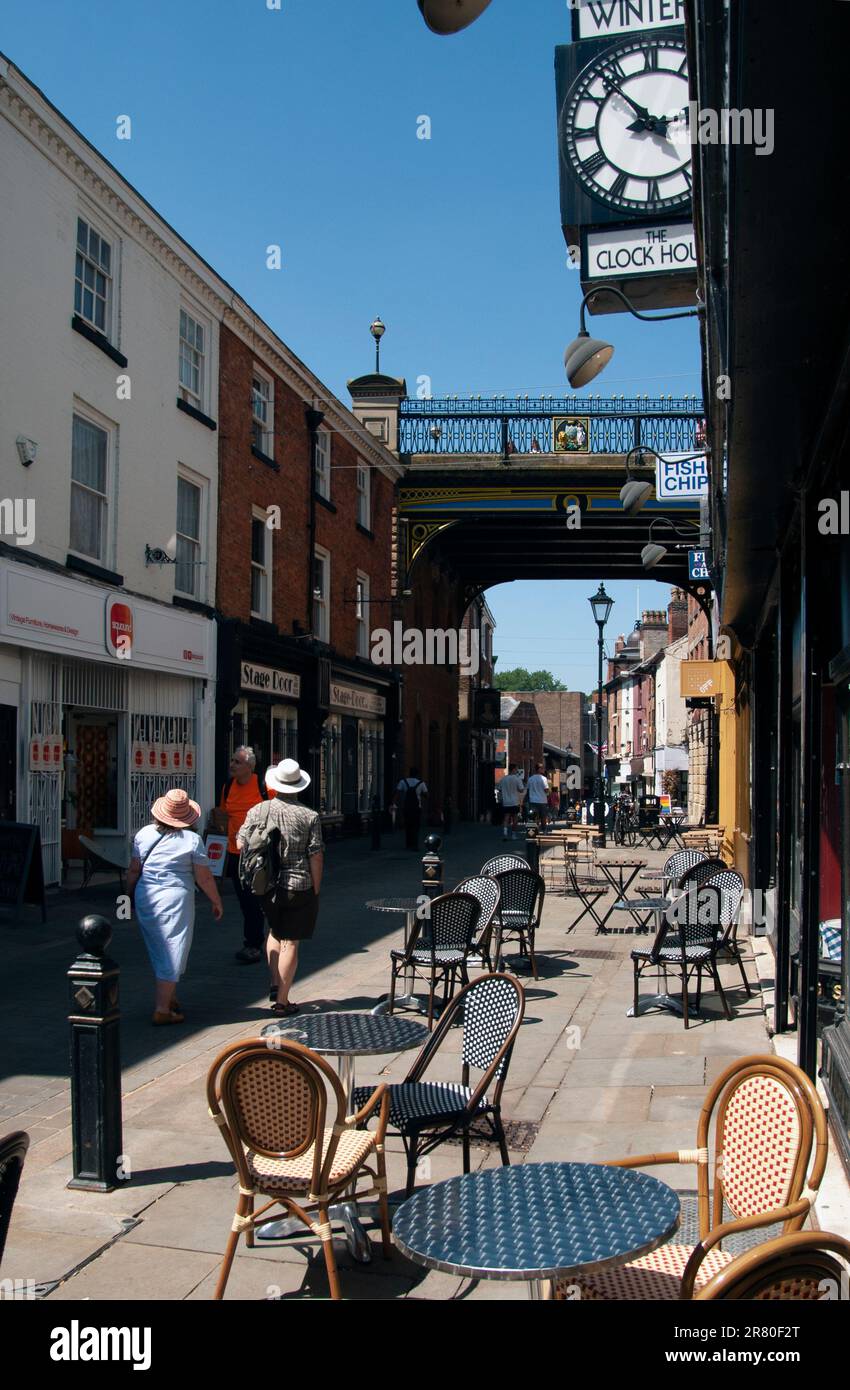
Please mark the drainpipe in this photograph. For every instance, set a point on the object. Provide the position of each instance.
(314, 420)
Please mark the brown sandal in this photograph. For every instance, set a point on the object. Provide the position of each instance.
(160, 1019)
(287, 1009)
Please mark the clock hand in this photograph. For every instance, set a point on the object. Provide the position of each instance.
(612, 86)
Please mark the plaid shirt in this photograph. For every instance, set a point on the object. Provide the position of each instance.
(300, 836)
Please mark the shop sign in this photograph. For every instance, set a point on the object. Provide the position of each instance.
(627, 251)
(681, 475)
(698, 564)
(269, 681)
(216, 848)
(350, 697)
(119, 629)
(699, 679)
(46, 753)
(596, 19)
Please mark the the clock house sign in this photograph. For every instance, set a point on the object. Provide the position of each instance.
(625, 165)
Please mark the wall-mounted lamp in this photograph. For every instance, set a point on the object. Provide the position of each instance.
(586, 357)
(27, 450)
(654, 552)
(450, 16)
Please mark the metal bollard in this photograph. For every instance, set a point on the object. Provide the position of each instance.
(532, 849)
(95, 1060)
(376, 823)
(432, 867)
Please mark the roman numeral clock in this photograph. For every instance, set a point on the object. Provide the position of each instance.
(625, 166)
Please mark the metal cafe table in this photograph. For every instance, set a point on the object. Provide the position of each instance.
(536, 1221)
(408, 906)
(344, 1036)
(621, 874)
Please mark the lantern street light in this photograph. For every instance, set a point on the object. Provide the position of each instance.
(601, 605)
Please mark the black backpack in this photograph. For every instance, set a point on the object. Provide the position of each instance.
(411, 800)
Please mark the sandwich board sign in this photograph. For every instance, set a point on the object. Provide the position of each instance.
(21, 872)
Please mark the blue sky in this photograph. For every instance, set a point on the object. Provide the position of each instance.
(298, 127)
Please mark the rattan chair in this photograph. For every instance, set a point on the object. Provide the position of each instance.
(795, 1268)
(497, 866)
(489, 894)
(13, 1151)
(427, 1113)
(694, 920)
(439, 953)
(520, 910)
(762, 1137)
(270, 1101)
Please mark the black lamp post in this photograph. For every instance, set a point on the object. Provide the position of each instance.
(601, 604)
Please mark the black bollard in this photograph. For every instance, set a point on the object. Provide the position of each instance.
(376, 823)
(432, 867)
(532, 849)
(95, 1060)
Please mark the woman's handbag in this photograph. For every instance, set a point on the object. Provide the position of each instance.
(142, 862)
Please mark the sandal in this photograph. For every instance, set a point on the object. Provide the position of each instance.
(159, 1019)
(287, 1009)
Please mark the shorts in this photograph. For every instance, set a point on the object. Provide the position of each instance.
(291, 913)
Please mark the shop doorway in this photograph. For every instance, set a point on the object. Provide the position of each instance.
(8, 761)
(92, 793)
(349, 767)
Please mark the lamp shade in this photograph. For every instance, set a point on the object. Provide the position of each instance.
(377, 328)
(450, 16)
(652, 555)
(601, 604)
(633, 494)
(585, 358)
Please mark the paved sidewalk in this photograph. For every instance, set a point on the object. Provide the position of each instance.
(586, 1082)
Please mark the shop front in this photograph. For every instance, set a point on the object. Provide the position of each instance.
(106, 699)
(353, 752)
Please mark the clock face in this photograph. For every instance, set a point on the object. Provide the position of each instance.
(624, 127)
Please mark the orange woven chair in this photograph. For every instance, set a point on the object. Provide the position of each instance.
(767, 1153)
(793, 1268)
(270, 1101)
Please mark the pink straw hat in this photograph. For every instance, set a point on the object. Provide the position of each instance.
(175, 808)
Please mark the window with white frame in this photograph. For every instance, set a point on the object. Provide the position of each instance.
(262, 413)
(322, 480)
(89, 489)
(192, 360)
(93, 278)
(321, 595)
(261, 567)
(187, 571)
(361, 610)
(364, 495)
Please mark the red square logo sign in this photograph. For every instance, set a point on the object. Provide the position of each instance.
(119, 628)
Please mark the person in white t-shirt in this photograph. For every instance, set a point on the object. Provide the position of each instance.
(511, 792)
(538, 795)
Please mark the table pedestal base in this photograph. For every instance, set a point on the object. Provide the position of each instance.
(662, 1001)
(346, 1212)
(403, 1001)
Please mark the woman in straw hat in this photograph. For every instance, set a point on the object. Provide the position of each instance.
(168, 859)
(292, 906)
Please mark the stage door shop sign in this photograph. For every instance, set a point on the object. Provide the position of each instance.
(595, 19)
(627, 251)
(681, 475)
(350, 697)
(267, 681)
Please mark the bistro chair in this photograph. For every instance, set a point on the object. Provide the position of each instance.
(427, 1113)
(271, 1105)
(677, 865)
(694, 948)
(520, 910)
(489, 894)
(698, 874)
(793, 1268)
(731, 885)
(497, 866)
(13, 1151)
(762, 1138)
(438, 954)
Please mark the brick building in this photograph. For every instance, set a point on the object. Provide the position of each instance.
(524, 736)
(476, 743)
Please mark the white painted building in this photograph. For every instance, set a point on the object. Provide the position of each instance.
(671, 723)
(107, 661)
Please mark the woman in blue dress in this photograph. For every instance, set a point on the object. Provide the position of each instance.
(168, 859)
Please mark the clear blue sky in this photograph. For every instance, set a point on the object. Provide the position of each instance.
(298, 127)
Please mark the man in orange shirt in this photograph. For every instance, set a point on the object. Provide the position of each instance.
(242, 791)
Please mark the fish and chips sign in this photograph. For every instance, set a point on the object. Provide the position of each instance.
(680, 476)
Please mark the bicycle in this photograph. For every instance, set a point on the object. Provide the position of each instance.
(625, 826)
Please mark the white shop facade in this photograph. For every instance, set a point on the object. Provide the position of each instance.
(107, 701)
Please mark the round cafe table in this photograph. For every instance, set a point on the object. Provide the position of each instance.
(408, 907)
(536, 1221)
(345, 1036)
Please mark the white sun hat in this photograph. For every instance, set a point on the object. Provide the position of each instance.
(287, 777)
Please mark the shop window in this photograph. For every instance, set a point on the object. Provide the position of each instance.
(261, 546)
(187, 572)
(89, 480)
(93, 278)
(284, 733)
(262, 413)
(330, 781)
(322, 479)
(192, 360)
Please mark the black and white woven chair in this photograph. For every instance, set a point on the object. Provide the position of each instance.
(520, 910)
(731, 886)
(427, 1113)
(489, 894)
(439, 953)
(695, 920)
(13, 1151)
(497, 866)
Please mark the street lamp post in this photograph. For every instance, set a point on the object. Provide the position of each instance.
(601, 605)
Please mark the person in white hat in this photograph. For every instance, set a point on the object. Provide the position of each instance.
(292, 906)
(166, 862)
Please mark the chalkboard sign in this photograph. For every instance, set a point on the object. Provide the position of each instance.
(21, 872)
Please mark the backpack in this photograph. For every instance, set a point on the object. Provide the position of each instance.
(411, 800)
(259, 860)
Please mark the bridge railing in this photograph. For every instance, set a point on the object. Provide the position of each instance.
(549, 425)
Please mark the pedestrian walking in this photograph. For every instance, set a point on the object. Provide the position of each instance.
(167, 860)
(538, 795)
(242, 791)
(512, 792)
(409, 795)
(291, 908)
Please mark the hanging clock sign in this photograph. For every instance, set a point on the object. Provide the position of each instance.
(595, 19)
